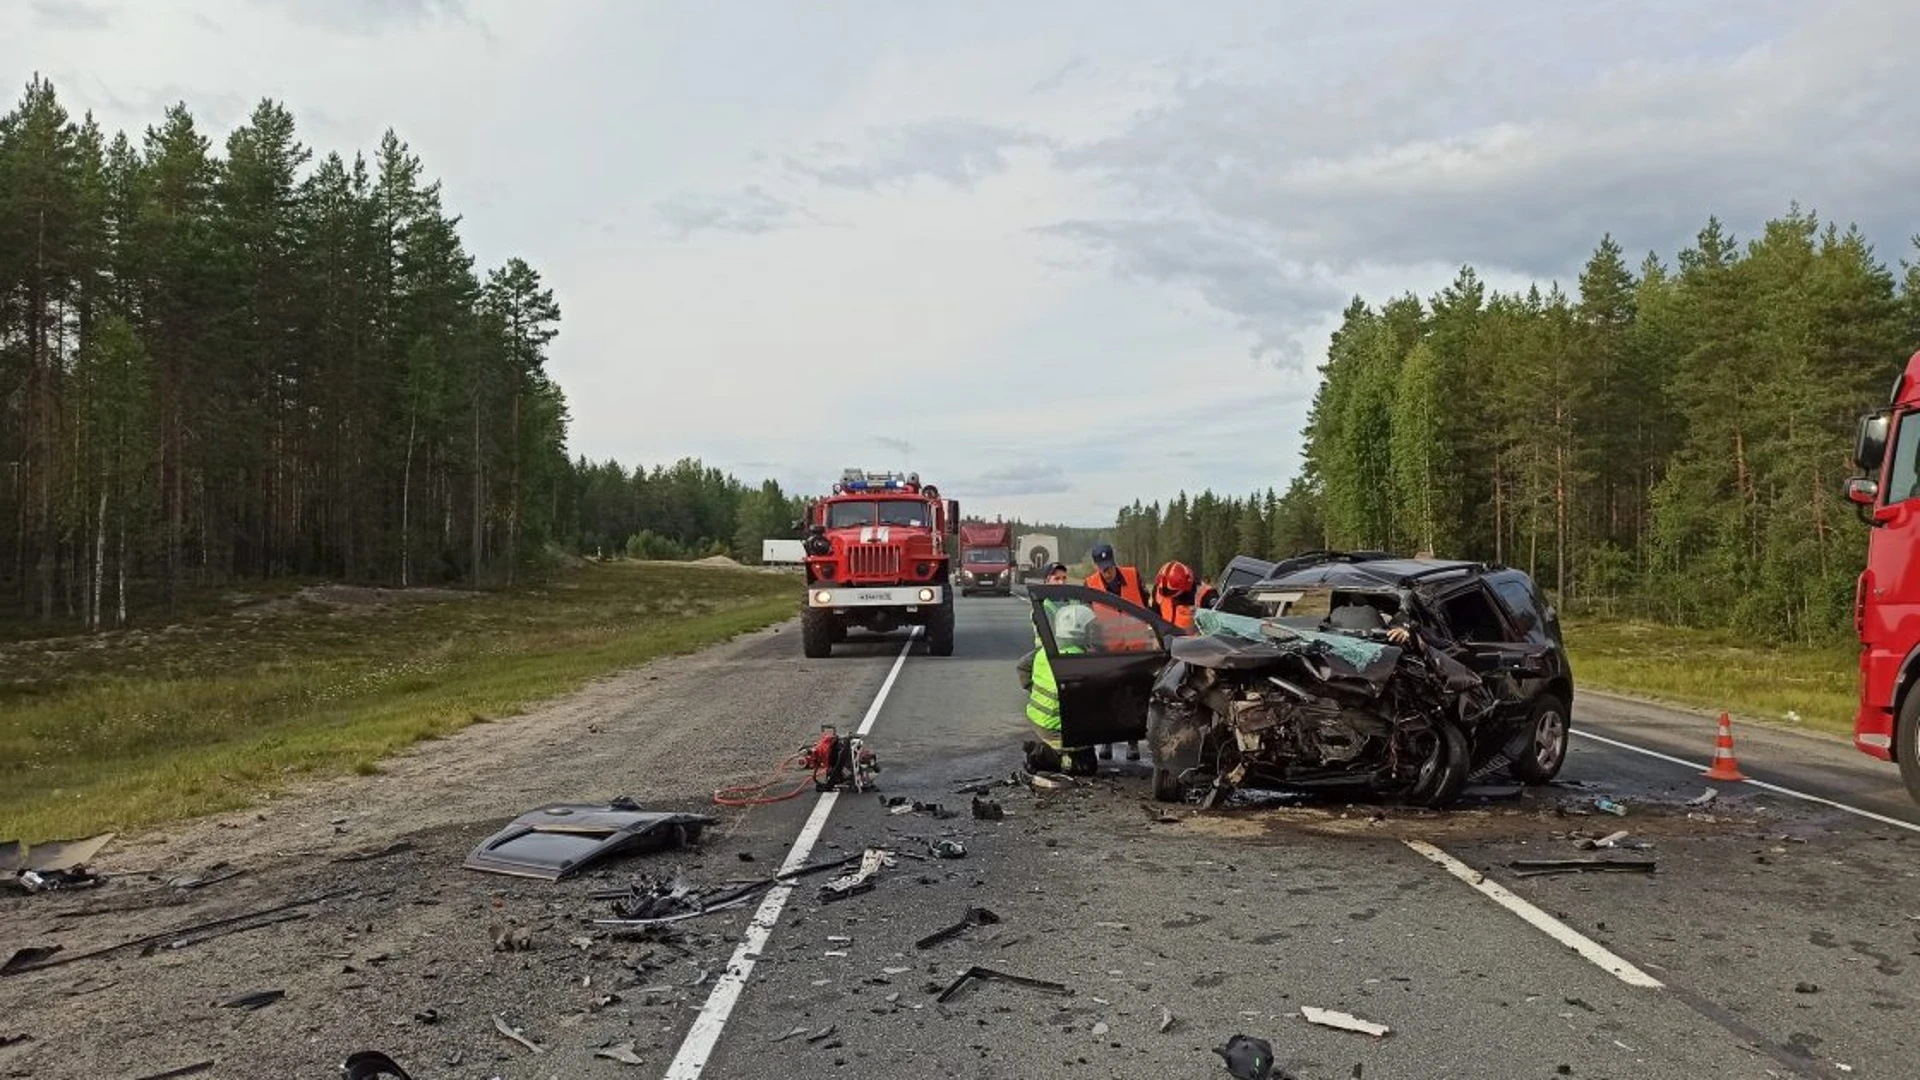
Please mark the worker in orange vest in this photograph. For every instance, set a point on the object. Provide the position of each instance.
(1123, 582)
(1173, 594)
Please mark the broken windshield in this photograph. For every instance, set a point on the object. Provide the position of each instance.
(1356, 651)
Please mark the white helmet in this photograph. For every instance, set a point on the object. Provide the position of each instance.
(1072, 626)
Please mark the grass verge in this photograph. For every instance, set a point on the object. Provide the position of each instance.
(129, 729)
(1797, 686)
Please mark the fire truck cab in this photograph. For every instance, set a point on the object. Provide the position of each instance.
(876, 560)
(1886, 598)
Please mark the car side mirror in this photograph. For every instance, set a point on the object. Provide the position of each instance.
(1863, 491)
(953, 516)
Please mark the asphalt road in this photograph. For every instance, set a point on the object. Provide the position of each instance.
(1781, 932)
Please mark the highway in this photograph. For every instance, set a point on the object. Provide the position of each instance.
(1776, 937)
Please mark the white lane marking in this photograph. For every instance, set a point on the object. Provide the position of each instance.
(704, 1034)
(1547, 924)
(1762, 784)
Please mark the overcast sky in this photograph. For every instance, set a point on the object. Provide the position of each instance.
(1053, 256)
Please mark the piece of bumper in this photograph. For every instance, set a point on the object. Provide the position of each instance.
(907, 596)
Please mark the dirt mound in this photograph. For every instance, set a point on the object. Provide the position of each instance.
(341, 599)
(717, 560)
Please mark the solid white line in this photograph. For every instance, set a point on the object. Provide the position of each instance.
(704, 1034)
(1547, 924)
(1762, 784)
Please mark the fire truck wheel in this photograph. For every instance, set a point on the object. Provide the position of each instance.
(940, 630)
(816, 633)
(1906, 744)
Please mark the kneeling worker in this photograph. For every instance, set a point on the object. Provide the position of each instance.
(1072, 624)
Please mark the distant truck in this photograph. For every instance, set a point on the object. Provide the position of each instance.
(1035, 551)
(986, 558)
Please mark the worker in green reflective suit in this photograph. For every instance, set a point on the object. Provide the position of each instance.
(1072, 625)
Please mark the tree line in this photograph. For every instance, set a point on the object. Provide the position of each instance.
(1669, 441)
(222, 366)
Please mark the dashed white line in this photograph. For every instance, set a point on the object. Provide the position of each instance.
(1547, 924)
(704, 1034)
(1761, 784)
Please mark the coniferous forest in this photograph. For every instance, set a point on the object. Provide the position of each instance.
(248, 361)
(1670, 441)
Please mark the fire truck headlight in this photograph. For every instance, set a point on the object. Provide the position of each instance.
(926, 596)
(818, 544)
(823, 597)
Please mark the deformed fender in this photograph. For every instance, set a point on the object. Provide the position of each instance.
(1175, 734)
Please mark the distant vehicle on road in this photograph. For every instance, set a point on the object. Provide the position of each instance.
(1886, 597)
(986, 558)
(1294, 679)
(1035, 551)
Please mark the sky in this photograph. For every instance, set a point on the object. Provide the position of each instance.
(1052, 257)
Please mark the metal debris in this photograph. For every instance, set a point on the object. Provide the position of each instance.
(561, 839)
(513, 1033)
(366, 1064)
(983, 974)
(259, 999)
(975, 916)
(1608, 806)
(1247, 1058)
(1167, 1020)
(622, 1053)
(194, 1069)
(949, 849)
(1343, 1021)
(860, 880)
(189, 935)
(1705, 799)
(1542, 867)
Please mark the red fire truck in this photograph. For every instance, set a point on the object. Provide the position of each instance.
(877, 560)
(1886, 598)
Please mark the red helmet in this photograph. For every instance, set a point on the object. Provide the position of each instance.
(1174, 579)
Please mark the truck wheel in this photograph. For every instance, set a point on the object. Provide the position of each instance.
(816, 633)
(940, 630)
(1906, 744)
(1541, 747)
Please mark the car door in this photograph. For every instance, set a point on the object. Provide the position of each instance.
(1491, 643)
(1104, 680)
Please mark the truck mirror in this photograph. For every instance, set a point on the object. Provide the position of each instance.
(953, 516)
(1862, 491)
(797, 525)
(1870, 443)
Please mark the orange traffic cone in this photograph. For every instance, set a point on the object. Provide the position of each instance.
(1724, 766)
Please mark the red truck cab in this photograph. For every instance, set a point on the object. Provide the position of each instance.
(986, 558)
(1886, 599)
(876, 560)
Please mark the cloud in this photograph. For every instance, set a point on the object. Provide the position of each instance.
(951, 150)
(73, 14)
(371, 17)
(1041, 479)
(1059, 76)
(1273, 298)
(750, 210)
(898, 446)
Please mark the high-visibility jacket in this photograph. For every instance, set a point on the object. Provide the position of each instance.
(1043, 698)
(1130, 590)
(1177, 610)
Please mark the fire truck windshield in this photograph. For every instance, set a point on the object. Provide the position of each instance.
(902, 512)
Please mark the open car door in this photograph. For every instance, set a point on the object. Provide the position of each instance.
(1104, 660)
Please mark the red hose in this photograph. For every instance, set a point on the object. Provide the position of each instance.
(751, 794)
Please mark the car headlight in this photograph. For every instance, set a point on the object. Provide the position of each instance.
(926, 596)
(823, 597)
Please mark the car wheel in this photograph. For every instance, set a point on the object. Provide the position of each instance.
(816, 633)
(1541, 748)
(1906, 744)
(1444, 774)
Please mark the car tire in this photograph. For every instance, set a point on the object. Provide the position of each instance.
(1906, 744)
(1540, 749)
(816, 633)
(1167, 786)
(940, 630)
(1444, 776)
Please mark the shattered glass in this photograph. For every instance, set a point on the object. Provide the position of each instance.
(1358, 652)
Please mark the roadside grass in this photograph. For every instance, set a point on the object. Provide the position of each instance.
(133, 728)
(1797, 686)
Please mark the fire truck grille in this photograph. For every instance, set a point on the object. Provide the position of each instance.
(873, 560)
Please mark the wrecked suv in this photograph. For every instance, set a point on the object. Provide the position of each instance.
(1408, 678)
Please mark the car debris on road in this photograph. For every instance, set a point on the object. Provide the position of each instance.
(984, 974)
(1343, 1021)
(559, 840)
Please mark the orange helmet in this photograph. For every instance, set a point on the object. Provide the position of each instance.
(1174, 579)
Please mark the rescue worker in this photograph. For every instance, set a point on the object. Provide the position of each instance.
(1174, 594)
(1123, 582)
(1072, 624)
